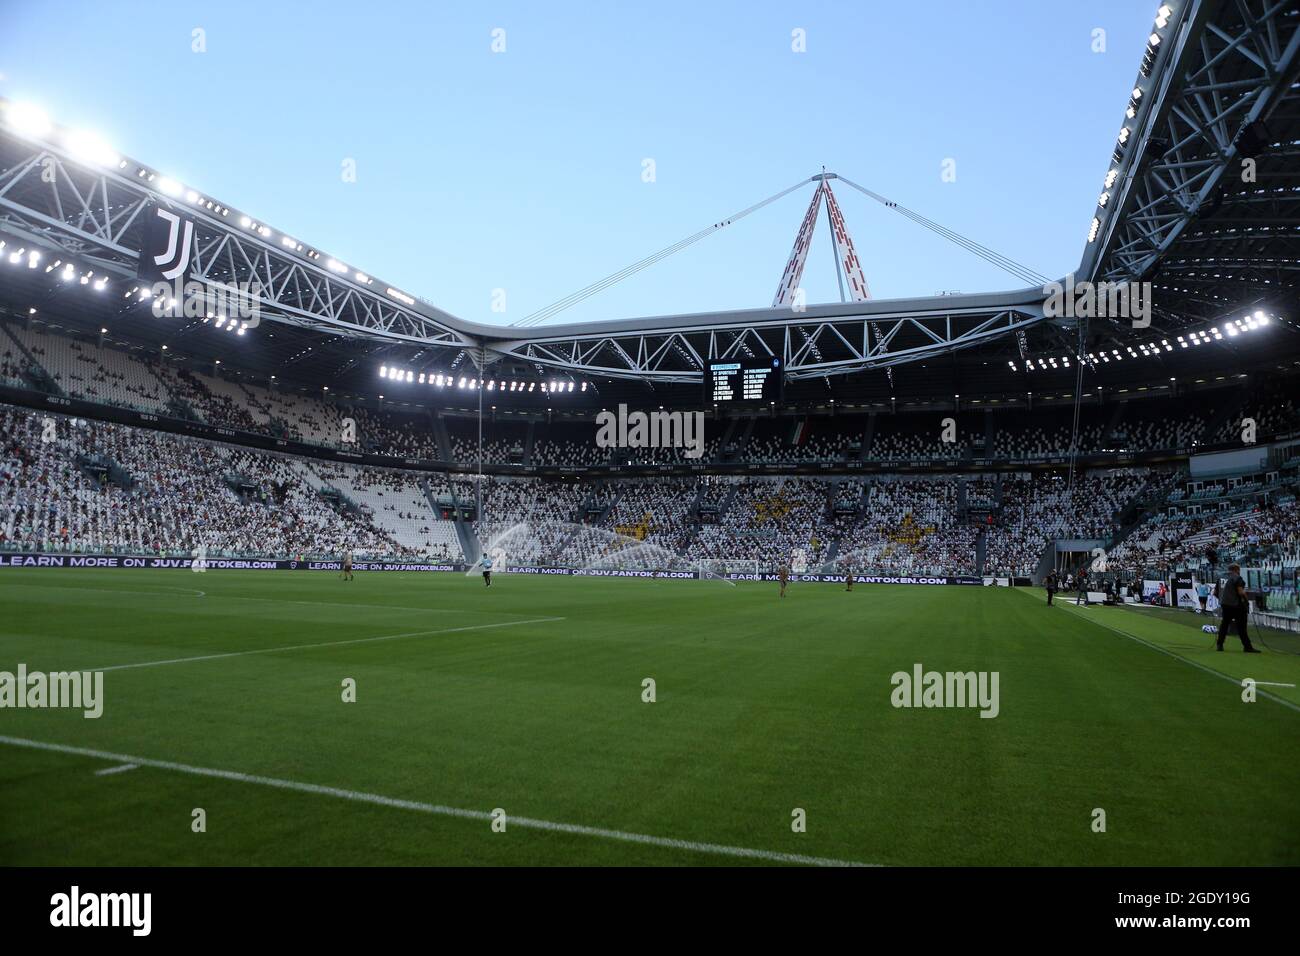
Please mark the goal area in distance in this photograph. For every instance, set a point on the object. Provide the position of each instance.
(719, 569)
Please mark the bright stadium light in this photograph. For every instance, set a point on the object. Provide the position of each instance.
(29, 120)
(383, 371)
(87, 147)
(170, 186)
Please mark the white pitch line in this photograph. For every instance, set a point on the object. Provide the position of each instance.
(375, 799)
(245, 597)
(111, 770)
(1179, 657)
(300, 647)
(161, 591)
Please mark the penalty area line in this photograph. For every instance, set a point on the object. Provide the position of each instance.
(483, 816)
(111, 770)
(320, 644)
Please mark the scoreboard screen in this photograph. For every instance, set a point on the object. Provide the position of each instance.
(743, 382)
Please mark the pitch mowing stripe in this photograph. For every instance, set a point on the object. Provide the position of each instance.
(375, 799)
(300, 647)
(195, 592)
(1179, 657)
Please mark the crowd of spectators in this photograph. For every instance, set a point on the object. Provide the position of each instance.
(77, 485)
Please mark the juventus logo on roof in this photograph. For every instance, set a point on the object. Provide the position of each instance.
(168, 241)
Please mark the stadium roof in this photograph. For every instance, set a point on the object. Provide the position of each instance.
(1202, 199)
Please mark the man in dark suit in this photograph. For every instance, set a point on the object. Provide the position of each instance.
(1235, 608)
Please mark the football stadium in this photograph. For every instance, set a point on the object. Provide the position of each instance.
(306, 562)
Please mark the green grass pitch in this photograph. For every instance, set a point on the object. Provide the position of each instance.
(762, 706)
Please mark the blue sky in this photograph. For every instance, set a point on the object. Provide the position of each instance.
(522, 170)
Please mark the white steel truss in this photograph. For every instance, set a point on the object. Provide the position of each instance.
(1226, 69)
(96, 215)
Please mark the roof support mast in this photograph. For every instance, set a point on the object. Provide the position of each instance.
(847, 265)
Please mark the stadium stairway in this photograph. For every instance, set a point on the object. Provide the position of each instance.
(470, 545)
(1148, 503)
(1047, 562)
(1220, 418)
(728, 501)
(35, 370)
(726, 440)
(743, 444)
(609, 508)
(1116, 417)
(868, 435)
(529, 441)
(93, 465)
(828, 505)
(176, 406)
(429, 497)
(443, 439)
(469, 542)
